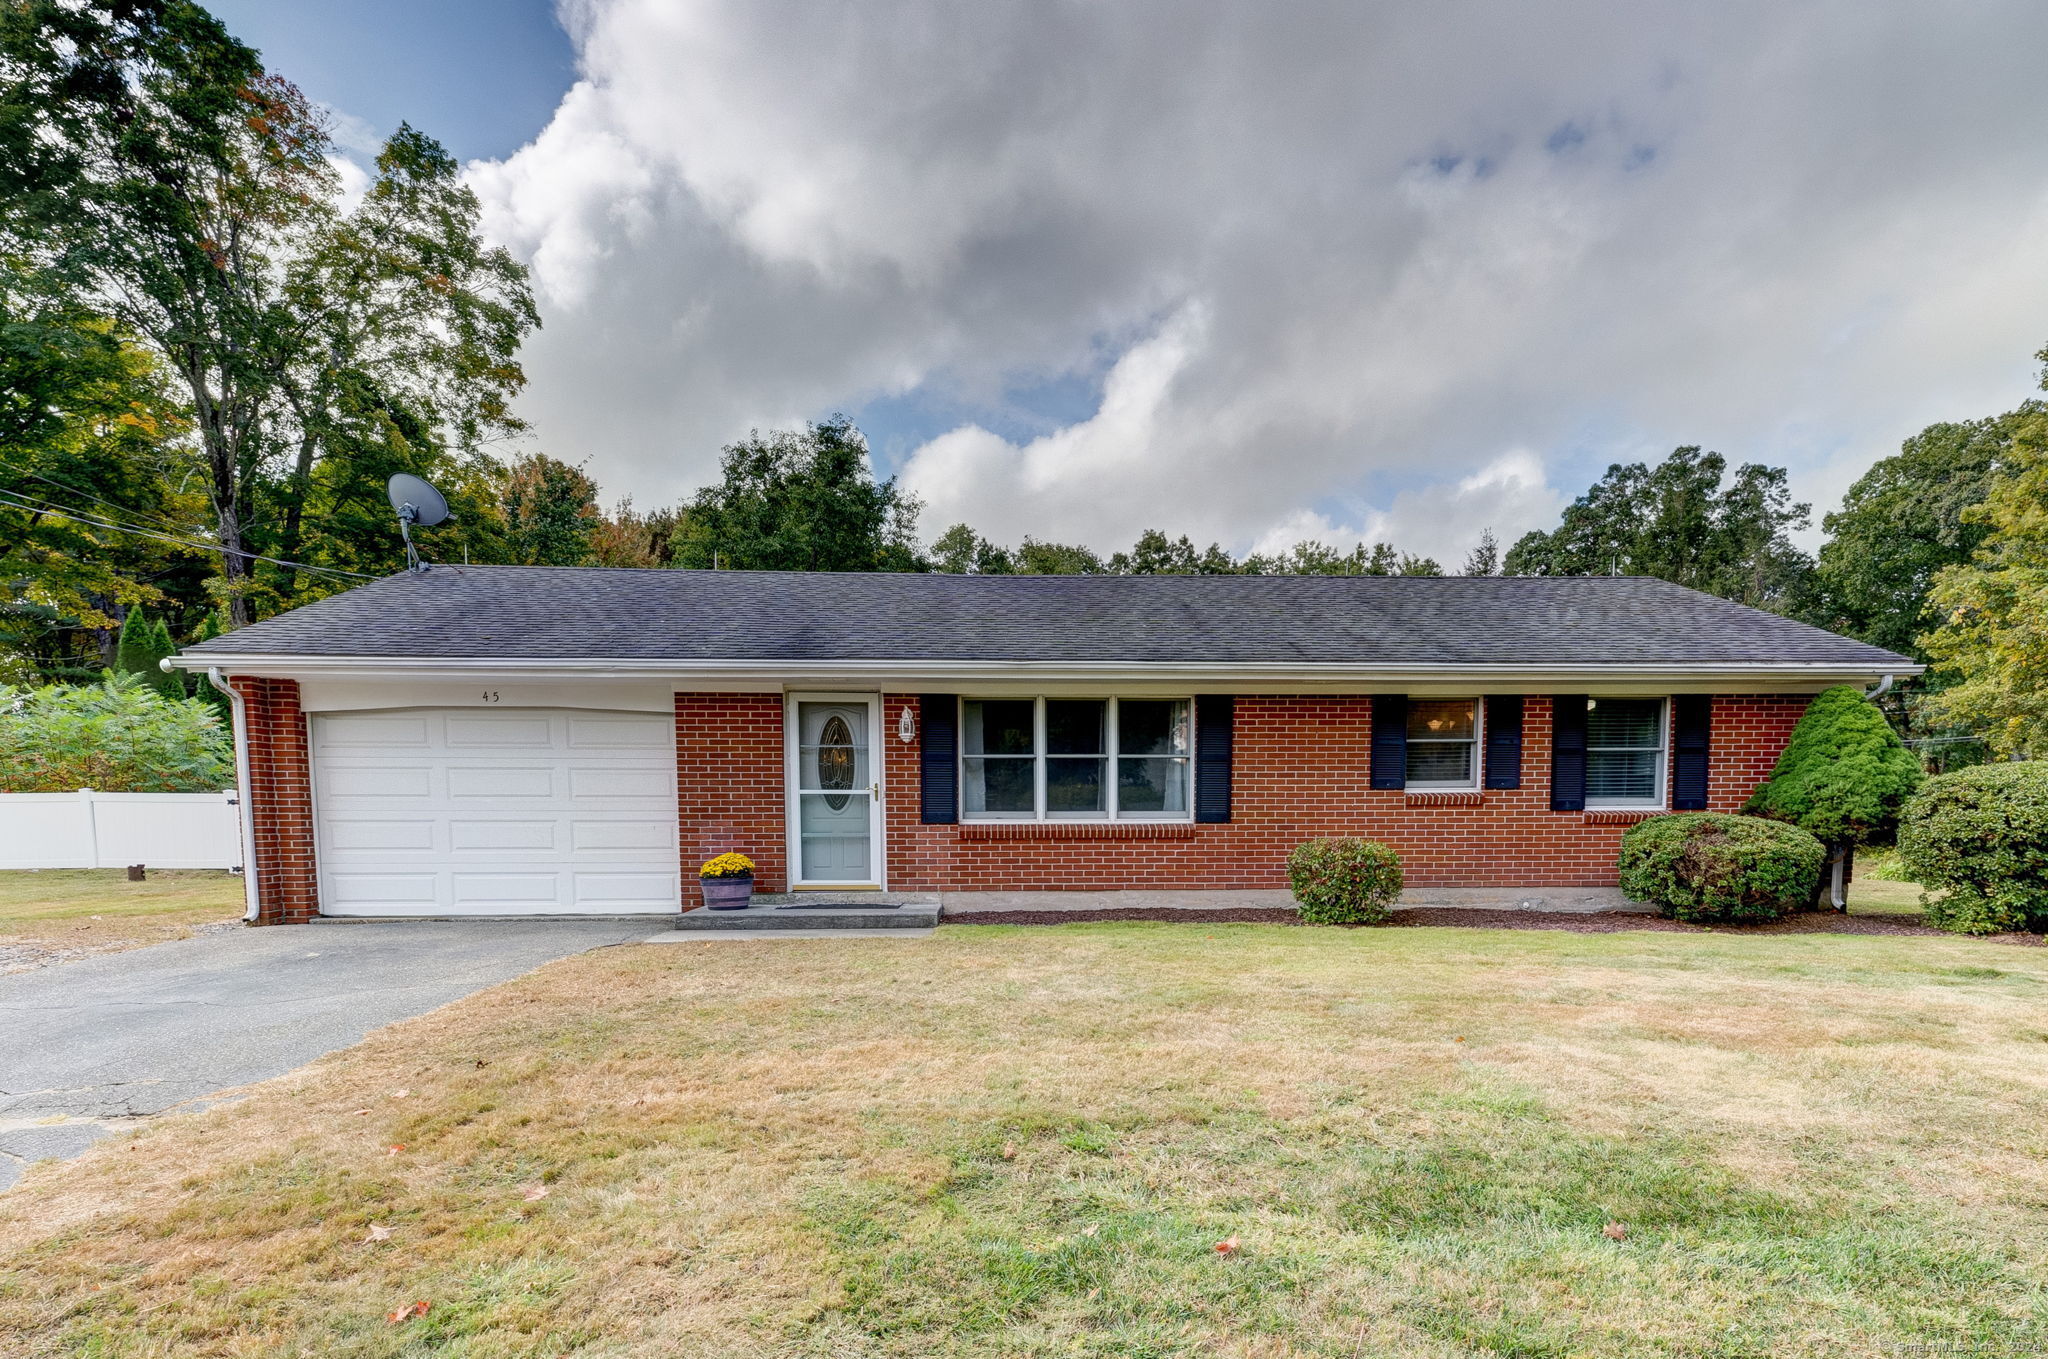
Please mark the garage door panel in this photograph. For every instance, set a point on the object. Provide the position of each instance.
(375, 781)
(500, 835)
(506, 889)
(503, 781)
(413, 891)
(521, 732)
(633, 733)
(374, 731)
(534, 811)
(585, 836)
(591, 782)
(626, 891)
(349, 833)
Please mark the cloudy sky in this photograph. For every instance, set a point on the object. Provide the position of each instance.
(1251, 272)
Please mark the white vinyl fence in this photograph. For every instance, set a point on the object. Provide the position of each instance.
(113, 830)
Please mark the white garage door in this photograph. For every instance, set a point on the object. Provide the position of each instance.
(528, 811)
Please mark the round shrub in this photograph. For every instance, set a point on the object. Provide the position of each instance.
(1844, 774)
(1705, 867)
(1980, 836)
(1344, 881)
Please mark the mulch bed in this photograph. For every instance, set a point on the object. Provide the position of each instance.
(1605, 922)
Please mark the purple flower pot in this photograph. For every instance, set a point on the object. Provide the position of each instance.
(727, 894)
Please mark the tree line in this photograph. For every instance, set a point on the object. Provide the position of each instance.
(210, 363)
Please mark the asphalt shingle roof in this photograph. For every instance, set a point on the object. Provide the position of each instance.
(539, 613)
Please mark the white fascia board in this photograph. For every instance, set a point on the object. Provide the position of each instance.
(1722, 677)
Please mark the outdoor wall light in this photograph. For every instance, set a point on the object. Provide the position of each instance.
(906, 727)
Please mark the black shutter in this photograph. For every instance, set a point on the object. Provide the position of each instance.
(1390, 740)
(1690, 723)
(1215, 732)
(1568, 753)
(1503, 740)
(938, 799)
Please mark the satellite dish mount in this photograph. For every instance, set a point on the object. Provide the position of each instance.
(418, 505)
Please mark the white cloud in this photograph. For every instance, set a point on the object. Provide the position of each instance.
(1350, 253)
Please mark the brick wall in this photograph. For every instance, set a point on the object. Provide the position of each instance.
(1300, 770)
(281, 801)
(729, 785)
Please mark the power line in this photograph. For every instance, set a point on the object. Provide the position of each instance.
(160, 519)
(47, 506)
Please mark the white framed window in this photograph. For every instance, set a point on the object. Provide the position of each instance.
(1443, 743)
(1076, 759)
(1625, 752)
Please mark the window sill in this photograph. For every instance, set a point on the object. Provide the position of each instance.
(1619, 816)
(1447, 797)
(1076, 830)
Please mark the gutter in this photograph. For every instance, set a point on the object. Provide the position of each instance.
(245, 793)
(300, 666)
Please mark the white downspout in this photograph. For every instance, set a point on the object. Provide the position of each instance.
(245, 793)
(1884, 686)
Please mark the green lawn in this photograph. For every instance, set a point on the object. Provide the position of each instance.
(99, 909)
(1879, 887)
(1015, 1141)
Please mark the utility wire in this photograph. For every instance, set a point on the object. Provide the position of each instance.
(46, 507)
(157, 520)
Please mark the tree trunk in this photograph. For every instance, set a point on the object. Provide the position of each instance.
(221, 465)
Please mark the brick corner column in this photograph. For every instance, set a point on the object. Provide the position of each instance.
(280, 800)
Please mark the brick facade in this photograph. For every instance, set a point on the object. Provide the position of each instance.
(1300, 770)
(281, 800)
(729, 785)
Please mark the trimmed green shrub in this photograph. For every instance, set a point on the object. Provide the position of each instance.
(1344, 881)
(1706, 867)
(1980, 836)
(120, 736)
(1844, 775)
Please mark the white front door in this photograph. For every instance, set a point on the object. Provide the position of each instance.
(512, 811)
(834, 790)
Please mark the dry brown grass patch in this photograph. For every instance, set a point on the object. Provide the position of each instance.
(843, 1148)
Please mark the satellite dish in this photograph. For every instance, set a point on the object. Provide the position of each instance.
(419, 506)
(417, 503)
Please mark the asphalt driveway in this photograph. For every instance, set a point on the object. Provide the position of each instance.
(87, 1047)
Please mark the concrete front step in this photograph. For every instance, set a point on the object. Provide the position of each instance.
(815, 911)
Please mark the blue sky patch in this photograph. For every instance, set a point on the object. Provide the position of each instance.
(482, 77)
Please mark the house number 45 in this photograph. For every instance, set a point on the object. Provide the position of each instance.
(490, 695)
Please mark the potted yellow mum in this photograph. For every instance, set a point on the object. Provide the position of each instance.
(728, 882)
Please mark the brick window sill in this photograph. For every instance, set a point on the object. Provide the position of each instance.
(1620, 818)
(1076, 830)
(1464, 799)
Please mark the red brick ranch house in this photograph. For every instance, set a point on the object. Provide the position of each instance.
(541, 741)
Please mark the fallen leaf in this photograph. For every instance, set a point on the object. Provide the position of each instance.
(362, 1111)
(536, 1192)
(1094, 1293)
(1614, 1231)
(378, 1232)
(1009, 1151)
(1091, 1229)
(1227, 1246)
(408, 1312)
(394, 1149)
(1459, 1039)
(400, 1094)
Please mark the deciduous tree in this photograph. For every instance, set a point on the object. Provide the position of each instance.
(801, 500)
(551, 513)
(1677, 521)
(152, 168)
(1993, 635)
